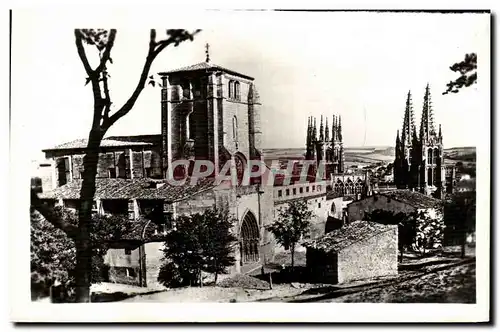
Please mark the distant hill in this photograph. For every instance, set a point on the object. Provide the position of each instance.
(467, 153)
(370, 154)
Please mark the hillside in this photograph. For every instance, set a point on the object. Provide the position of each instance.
(369, 155)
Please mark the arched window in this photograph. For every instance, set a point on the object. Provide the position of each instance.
(230, 86)
(434, 176)
(249, 239)
(429, 156)
(235, 128)
(237, 90)
(429, 176)
(436, 155)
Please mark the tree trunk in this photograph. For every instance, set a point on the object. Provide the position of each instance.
(82, 240)
(292, 248)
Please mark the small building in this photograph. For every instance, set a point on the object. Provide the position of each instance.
(357, 251)
(429, 224)
(400, 200)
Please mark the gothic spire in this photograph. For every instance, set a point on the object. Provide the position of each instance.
(327, 131)
(340, 129)
(308, 135)
(321, 130)
(314, 131)
(334, 124)
(408, 122)
(427, 123)
(398, 143)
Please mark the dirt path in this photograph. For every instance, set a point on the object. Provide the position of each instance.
(443, 276)
(448, 276)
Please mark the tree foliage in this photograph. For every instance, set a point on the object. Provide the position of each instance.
(200, 243)
(460, 215)
(468, 74)
(293, 224)
(418, 231)
(53, 253)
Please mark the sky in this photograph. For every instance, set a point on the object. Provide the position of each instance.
(357, 65)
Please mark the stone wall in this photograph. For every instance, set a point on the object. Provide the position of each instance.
(143, 162)
(374, 257)
(195, 204)
(123, 268)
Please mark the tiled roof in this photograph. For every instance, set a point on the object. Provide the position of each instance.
(131, 189)
(116, 141)
(349, 234)
(204, 66)
(413, 198)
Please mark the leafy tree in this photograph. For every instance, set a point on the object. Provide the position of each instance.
(429, 232)
(53, 253)
(468, 74)
(460, 215)
(104, 117)
(292, 225)
(406, 226)
(201, 242)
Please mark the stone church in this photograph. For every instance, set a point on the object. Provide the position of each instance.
(419, 161)
(208, 113)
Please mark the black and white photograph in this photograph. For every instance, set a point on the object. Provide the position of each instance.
(249, 160)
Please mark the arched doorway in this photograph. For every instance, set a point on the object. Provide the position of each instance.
(249, 239)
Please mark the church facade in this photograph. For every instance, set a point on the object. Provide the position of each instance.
(419, 160)
(326, 150)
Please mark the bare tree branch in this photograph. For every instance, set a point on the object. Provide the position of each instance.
(106, 55)
(107, 98)
(53, 217)
(140, 85)
(81, 53)
(155, 48)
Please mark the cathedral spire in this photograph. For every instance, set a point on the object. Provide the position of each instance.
(327, 131)
(308, 135)
(334, 124)
(398, 144)
(321, 130)
(340, 129)
(427, 122)
(314, 131)
(408, 122)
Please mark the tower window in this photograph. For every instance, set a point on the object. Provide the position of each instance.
(280, 193)
(235, 128)
(295, 191)
(230, 87)
(288, 192)
(301, 190)
(307, 189)
(237, 90)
